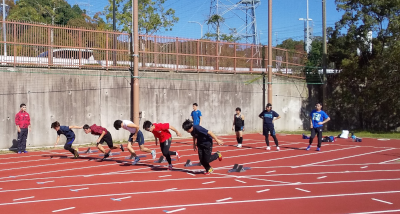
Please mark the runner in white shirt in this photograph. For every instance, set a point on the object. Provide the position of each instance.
(135, 136)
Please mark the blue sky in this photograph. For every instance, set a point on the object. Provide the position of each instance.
(285, 17)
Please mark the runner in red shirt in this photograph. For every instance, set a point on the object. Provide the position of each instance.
(104, 136)
(23, 122)
(161, 131)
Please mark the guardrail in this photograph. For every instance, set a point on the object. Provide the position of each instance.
(38, 45)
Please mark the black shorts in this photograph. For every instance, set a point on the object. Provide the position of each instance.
(108, 139)
(238, 128)
(268, 128)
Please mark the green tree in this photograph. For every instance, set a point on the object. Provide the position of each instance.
(153, 17)
(365, 93)
(291, 44)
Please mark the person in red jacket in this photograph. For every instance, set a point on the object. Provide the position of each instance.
(161, 131)
(104, 136)
(23, 123)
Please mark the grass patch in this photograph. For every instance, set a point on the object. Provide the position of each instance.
(360, 134)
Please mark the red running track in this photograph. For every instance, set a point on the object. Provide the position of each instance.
(344, 177)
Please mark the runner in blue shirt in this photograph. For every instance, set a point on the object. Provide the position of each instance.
(269, 116)
(317, 120)
(203, 139)
(196, 115)
(69, 134)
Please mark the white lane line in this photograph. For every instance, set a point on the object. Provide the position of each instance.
(244, 201)
(210, 182)
(240, 181)
(262, 190)
(190, 174)
(119, 199)
(302, 190)
(172, 211)
(69, 208)
(18, 199)
(271, 171)
(34, 166)
(381, 201)
(225, 199)
(322, 177)
(172, 189)
(44, 182)
(389, 161)
(76, 190)
(364, 167)
(163, 176)
(376, 212)
(346, 157)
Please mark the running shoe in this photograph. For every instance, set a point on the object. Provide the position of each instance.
(121, 147)
(153, 153)
(268, 148)
(308, 147)
(219, 156)
(137, 159)
(19, 152)
(211, 170)
(170, 167)
(278, 149)
(318, 149)
(239, 145)
(76, 154)
(106, 155)
(177, 155)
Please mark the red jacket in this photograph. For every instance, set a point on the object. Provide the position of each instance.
(161, 131)
(22, 119)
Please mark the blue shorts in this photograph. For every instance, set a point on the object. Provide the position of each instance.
(139, 139)
(268, 128)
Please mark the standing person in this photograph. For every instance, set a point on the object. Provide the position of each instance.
(23, 123)
(269, 116)
(104, 136)
(196, 115)
(69, 134)
(204, 144)
(161, 131)
(238, 126)
(317, 121)
(135, 136)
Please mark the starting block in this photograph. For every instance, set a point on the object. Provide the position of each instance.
(131, 157)
(238, 168)
(111, 154)
(88, 151)
(189, 164)
(162, 159)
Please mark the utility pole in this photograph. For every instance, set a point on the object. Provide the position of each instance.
(135, 78)
(324, 55)
(114, 37)
(4, 28)
(307, 39)
(269, 51)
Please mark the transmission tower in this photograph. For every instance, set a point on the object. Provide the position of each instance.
(235, 19)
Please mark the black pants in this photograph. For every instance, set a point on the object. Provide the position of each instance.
(205, 156)
(317, 131)
(164, 146)
(269, 128)
(108, 139)
(22, 140)
(68, 145)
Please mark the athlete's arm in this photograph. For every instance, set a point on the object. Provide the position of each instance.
(215, 138)
(156, 141)
(176, 131)
(200, 120)
(233, 125)
(326, 120)
(101, 136)
(194, 144)
(132, 125)
(243, 122)
(58, 139)
(75, 127)
(311, 126)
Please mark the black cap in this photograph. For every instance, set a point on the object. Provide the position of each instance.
(117, 124)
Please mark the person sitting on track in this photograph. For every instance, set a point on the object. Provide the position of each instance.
(161, 131)
(204, 144)
(104, 136)
(135, 136)
(67, 131)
